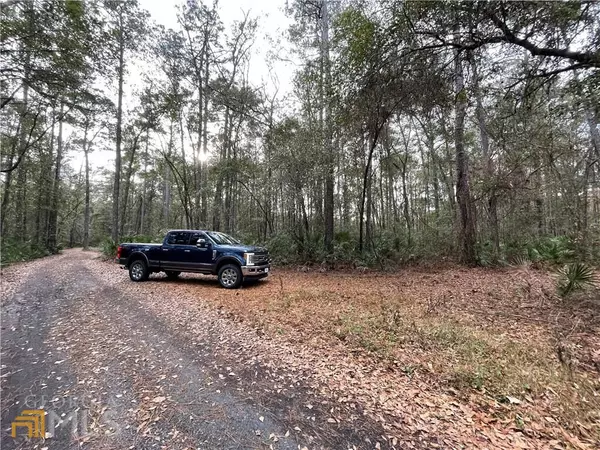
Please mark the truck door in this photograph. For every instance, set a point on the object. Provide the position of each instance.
(173, 255)
(200, 256)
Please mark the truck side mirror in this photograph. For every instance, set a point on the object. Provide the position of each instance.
(201, 243)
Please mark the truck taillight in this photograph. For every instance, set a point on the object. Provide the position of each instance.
(119, 249)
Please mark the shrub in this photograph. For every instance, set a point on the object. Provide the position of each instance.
(282, 248)
(109, 248)
(574, 277)
(13, 251)
(555, 250)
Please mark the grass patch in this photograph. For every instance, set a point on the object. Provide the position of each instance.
(463, 356)
(419, 327)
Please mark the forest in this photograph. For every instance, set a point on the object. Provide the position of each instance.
(411, 131)
(425, 175)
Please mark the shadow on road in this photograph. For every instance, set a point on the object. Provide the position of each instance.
(203, 280)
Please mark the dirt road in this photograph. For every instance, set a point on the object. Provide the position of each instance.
(453, 358)
(112, 373)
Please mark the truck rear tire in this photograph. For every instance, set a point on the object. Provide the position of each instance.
(230, 276)
(138, 270)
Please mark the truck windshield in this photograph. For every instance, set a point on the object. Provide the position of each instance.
(222, 238)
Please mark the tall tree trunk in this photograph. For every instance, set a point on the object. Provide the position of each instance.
(426, 182)
(304, 225)
(198, 169)
(435, 181)
(38, 236)
(188, 199)
(345, 203)
(328, 132)
(166, 209)
(145, 185)
(492, 202)
(86, 213)
(383, 210)
(128, 175)
(538, 200)
(389, 185)
(369, 212)
(51, 242)
(463, 191)
(204, 156)
(21, 204)
(218, 199)
(405, 200)
(366, 176)
(6, 196)
(45, 190)
(447, 169)
(119, 132)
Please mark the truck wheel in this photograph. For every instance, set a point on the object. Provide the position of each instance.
(172, 274)
(138, 270)
(230, 276)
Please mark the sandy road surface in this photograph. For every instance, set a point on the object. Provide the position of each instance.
(118, 375)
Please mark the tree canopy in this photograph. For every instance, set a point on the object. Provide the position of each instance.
(411, 130)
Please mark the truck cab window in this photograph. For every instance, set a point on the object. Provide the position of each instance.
(178, 238)
(195, 237)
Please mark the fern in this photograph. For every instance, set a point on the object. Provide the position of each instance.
(533, 254)
(574, 277)
(521, 261)
(555, 250)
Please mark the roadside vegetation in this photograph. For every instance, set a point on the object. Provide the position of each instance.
(14, 251)
(501, 340)
(391, 145)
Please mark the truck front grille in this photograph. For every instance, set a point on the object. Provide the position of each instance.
(260, 259)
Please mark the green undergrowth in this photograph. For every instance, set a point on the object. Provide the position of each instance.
(14, 251)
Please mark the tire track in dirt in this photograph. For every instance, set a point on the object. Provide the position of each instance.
(147, 382)
(36, 372)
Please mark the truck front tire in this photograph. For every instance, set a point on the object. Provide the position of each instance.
(230, 276)
(138, 270)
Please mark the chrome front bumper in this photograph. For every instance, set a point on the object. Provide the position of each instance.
(256, 271)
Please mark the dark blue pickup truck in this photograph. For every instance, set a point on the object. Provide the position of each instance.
(208, 252)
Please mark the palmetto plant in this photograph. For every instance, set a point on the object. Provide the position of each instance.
(555, 250)
(521, 261)
(574, 277)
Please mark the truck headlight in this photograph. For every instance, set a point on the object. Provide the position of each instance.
(249, 257)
